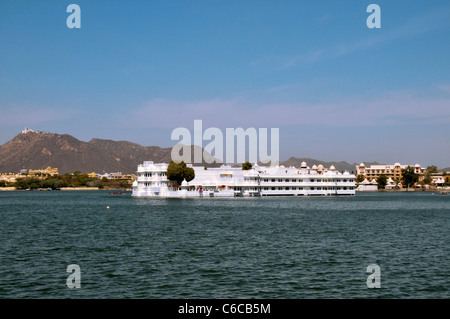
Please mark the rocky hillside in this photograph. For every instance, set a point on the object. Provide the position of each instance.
(38, 150)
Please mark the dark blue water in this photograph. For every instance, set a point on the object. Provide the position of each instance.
(224, 248)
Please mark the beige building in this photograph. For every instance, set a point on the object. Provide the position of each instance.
(391, 171)
(48, 171)
(9, 177)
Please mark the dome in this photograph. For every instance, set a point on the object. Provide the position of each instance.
(314, 166)
(135, 184)
(184, 183)
(361, 165)
(397, 164)
(304, 165)
(332, 168)
(320, 166)
(417, 165)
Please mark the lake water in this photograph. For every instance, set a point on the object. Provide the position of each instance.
(305, 247)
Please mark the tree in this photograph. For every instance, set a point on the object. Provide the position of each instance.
(360, 178)
(77, 173)
(2, 184)
(409, 177)
(189, 174)
(432, 169)
(447, 181)
(246, 166)
(179, 172)
(381, 181)
(427, 179)
(124, 184)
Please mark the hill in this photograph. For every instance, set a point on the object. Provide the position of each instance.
(38, 150)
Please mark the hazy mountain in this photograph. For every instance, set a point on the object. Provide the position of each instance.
(38, 150)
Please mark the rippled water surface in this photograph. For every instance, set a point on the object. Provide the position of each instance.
(224, 248)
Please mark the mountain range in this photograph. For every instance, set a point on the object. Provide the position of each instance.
(38, 150)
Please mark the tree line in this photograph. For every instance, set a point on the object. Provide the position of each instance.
(67, 180)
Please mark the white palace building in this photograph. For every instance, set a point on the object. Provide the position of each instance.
(227, 181)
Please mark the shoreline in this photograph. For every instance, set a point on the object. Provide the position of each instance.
(10, 189)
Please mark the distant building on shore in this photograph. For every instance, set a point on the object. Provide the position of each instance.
(367, 185)
(48, 171)
(391, 171)
(117, 175)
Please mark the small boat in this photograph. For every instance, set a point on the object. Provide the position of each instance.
(115, 193)
(441, 193)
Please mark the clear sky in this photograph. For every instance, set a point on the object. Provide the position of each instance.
(136, 70)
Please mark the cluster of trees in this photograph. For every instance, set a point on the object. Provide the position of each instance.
(179, 171)
(57, 182)
(77, 179)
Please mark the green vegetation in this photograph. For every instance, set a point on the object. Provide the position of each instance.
(2, 184)
(432, 169)
(359, 178)
(246, 166)
(409, 177)
(382, 181)
(179, 172)
(447, 181)
(69, 180)
(427, 179)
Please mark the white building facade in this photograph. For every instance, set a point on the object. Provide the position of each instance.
(227, 181)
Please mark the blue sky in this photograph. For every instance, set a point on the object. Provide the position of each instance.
(136, 70)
